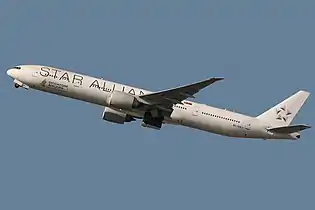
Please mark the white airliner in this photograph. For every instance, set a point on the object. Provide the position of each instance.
(124, 103)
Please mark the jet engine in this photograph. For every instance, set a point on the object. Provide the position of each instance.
(114, 116)
(122, 100)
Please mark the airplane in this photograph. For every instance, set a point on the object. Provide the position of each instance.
(123, 103)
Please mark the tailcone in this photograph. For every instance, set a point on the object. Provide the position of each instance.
(296, 136)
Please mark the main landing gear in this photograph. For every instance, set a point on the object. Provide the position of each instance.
(16, 85)
(150, 121)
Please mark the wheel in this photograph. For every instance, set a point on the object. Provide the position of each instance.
(16, 85)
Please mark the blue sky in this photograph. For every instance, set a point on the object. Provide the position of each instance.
(57, 153)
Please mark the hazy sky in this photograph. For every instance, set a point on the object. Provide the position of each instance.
(57, 153)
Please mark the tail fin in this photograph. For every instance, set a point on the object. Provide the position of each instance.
(283, 113)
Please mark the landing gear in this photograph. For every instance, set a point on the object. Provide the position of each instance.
(16, 85)
(152, 122)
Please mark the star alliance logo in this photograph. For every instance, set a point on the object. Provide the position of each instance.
(43, 83)
(283, 113)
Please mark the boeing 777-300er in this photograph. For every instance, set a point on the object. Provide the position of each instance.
(123, 103)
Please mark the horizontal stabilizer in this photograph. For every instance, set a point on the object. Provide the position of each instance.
(289, 129)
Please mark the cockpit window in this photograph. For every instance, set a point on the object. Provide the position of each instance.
(16, 67)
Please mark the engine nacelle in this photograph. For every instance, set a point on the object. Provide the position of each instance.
(122, 100)
(114, 116)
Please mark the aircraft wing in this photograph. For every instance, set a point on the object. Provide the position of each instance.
(167, 98)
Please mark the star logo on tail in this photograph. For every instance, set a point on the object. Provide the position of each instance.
(283, 113)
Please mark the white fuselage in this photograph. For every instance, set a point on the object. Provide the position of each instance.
(189, 114)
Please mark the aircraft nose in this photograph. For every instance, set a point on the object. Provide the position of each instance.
(11, 73)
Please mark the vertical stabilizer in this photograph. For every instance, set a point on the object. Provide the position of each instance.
(283, 113)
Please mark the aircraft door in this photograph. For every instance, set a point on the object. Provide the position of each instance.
(247, 128)
(35, 74)
(195, 110)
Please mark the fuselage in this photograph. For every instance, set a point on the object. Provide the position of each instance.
(96, 91)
